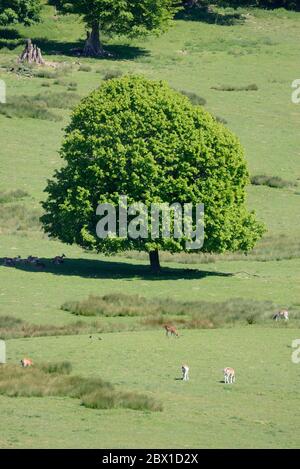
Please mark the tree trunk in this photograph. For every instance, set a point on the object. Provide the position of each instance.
(154, 260)
(93, 46)
(31, 54)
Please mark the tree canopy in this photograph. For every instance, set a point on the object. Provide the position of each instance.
(19, 11)
(140, 138)
(121, 17)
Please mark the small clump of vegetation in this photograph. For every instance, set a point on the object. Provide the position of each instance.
(38, 106)
(17, 217)
(109, 74)
(194, 98)
(12, 327)
(54, 379)
(271, 181)
(251, 87)
(11, 196)
(85, 68)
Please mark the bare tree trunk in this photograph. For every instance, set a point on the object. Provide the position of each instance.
(31, 54)
(93, 46)
(154, 260)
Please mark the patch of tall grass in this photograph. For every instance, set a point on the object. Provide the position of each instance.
(196, 314)
(271, 181)
(12, 327)
(37, 106)
(17, 217)
(11, 196)
(53, 379)
(270, 248)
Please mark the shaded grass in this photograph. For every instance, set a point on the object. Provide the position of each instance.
(52, 379)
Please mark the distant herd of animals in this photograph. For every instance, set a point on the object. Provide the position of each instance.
(31, 260)
(229, 373)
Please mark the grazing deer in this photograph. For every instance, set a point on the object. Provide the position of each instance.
(283, 314)
(229, 375)
(171, 330)
(31, 260)
(185, 372)
(8, 261)
(58, 259)
(26, 362)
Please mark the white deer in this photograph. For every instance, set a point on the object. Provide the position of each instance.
(229, 375)
(185, 372)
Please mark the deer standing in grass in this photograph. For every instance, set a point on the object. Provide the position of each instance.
(229, 375)
(283, 314)
(26, 362)
(171, 330)
(185, 372)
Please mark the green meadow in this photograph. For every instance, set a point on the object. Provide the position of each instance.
(261, 408)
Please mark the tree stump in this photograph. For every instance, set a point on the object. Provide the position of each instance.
(31, 54)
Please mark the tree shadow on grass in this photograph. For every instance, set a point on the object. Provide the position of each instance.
(11, 39)
(89, 268)
(210, 16)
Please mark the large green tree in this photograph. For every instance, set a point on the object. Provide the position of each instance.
(140, 138)
(19, 11)
(122, 17)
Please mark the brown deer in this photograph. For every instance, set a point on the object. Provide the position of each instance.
(283, 314)
(26, 362)
(229, 375)
(171, 330)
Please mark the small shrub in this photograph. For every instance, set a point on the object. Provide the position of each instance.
(110, 74)
(12, 195)
(221, 120)
(252, 87)
(194, 98)
(43, 73)
(271, 181)
(64, 367)
(85, 68)
(46, 85)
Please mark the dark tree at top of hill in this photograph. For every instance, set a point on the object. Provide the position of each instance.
(19, 11)
(119, 17)
(140, 138)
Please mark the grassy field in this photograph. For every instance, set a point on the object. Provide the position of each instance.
(260, 410)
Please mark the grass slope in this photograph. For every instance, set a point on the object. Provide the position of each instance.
(259, 411)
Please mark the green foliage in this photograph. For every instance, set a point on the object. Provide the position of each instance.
(288, 4)
(19, 11)
(138, 137)
(127, 17)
